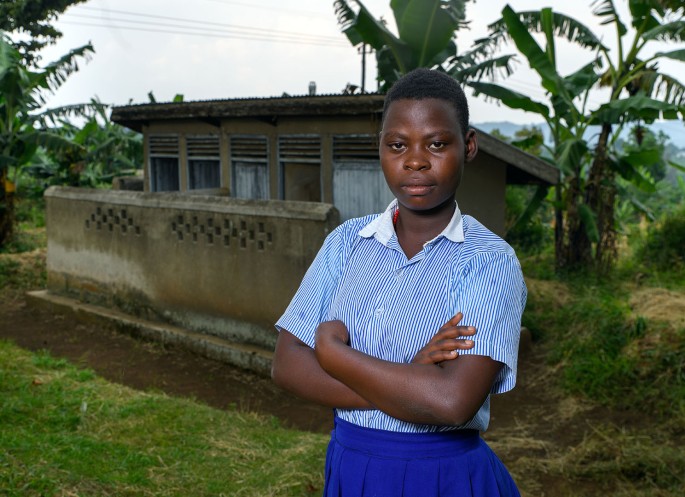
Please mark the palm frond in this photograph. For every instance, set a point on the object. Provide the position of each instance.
(606, 10)
(49, 140)
(57, 72)
(669, 89)
(58, 114)
(466, 68)
(510, 98)
(564, 26)
(583, 79)
(347, 20)
(670, 32)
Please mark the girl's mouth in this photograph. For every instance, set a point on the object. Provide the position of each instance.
(417, 189)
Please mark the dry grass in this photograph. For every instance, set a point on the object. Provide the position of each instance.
(659, 304)
(22, 272)
(548, 292)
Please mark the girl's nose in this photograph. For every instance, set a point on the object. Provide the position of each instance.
(416, 162)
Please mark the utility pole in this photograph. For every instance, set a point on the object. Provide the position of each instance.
(363, 51)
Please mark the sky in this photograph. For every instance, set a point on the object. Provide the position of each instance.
(216, 49)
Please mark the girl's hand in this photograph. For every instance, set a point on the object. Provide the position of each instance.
(444, 345)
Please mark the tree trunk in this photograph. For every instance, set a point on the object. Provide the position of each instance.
(577, 249)
(600, 196)
(558, 228)
(6, 209)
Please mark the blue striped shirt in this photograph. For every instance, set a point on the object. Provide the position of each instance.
(392, 306)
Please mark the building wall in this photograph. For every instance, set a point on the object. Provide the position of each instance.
(223, 266)
(481, 193)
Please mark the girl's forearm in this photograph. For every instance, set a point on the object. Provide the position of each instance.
(449, 394)
(296, 369)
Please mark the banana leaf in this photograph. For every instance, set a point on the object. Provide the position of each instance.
(589, 222)
(509, 97)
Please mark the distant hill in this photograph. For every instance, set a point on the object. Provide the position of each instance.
(675, 130)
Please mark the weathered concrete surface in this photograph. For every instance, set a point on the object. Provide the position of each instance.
(248, 357)
(219, 267)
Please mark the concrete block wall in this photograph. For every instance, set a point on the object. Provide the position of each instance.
(218, 265)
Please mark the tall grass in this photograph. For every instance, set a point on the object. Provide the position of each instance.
(606, 351)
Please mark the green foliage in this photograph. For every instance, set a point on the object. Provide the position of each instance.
(608, 353)
(528, 211)
(102, 150)
(30, 213)
(34, 18)
(638, 93)
(664, 243)
(426, 30)
(66, 432)
(22, 122)
(25, 240)
(531, 234)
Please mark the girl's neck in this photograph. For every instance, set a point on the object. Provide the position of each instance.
(415, 228)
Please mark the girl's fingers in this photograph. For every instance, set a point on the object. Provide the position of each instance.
(454, 344)
(454, 332)
(454, 320)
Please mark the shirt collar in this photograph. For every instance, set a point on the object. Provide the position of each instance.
(383, 230)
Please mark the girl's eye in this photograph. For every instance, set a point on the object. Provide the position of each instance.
(437, 145)
(396, 146)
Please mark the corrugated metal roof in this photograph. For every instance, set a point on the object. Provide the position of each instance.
(134, 116)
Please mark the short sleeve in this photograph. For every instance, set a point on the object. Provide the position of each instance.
(491, 293)
(310, 304)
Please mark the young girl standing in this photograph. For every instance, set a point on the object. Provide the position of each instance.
(373, 329)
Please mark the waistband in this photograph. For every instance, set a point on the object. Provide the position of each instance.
(392, 444)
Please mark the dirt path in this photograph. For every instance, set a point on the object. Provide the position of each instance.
(145, 365)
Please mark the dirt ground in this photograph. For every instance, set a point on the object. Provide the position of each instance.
(150, 366)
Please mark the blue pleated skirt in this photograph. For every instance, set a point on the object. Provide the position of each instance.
(364, 462)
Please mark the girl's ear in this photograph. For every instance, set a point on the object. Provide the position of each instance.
(471, 145)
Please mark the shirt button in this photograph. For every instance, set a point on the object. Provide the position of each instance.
(379, 312)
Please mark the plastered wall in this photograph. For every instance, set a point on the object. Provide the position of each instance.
(223, 266)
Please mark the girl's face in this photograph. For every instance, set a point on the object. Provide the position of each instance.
(423, 151)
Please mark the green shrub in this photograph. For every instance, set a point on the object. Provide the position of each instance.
(664, 244)
(528, 236)
(607, 353)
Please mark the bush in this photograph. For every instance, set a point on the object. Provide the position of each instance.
(664, 244)
(528, 236)
(605, 349)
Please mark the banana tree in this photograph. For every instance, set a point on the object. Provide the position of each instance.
(585, 198)
(103, 150)
(426, 38)
(639, 92)
(23, 126)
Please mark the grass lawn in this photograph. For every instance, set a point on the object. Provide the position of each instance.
(67, 432)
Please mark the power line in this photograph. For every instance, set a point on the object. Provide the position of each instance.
(206, 35)
(270, 8)
(263, 35)
(208, 23)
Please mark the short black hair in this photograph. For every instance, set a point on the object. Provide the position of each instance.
(426, 83)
